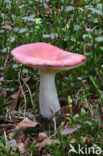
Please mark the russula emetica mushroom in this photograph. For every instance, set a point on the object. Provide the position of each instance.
(49, 60)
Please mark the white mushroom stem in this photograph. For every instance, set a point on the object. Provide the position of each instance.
(48, 99)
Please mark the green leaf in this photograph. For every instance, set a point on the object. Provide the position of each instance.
(88, 30)
(15, 66)
(99, 6)
(76, 27)
(97, 88)
(87, 36)
(12, 39)
(22, 30)
(7, 27)
(88, 123)
(96, 11)
(101, 48)
(25, 71)
(99, 39)
(83, 112)
(98, 117)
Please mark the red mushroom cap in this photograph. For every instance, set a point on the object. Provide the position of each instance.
(47, 57)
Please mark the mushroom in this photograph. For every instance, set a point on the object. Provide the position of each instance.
(49, 60)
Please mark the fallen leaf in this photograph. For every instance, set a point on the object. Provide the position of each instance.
(26, 143)
(47, 142)
(41, 136)
(27, 123)
(65, 110)
(88, 139)
(16, 96)
(69, 130)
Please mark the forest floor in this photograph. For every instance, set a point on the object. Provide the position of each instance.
(75, 27)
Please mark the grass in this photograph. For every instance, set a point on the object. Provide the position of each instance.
(75, 27)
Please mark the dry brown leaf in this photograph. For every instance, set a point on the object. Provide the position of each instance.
(41, 136)
(26, 143)
(65, 109)
(47, 142)
(88, 138)
(27, 123)
(16, 96)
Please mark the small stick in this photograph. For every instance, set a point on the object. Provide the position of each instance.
(19, 76)
(54, 120)
(29, 92)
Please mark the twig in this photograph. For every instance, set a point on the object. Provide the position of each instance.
(19, 77)
(55, 127)
(29, 92)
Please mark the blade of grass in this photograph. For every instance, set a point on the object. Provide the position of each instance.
(97, 89)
